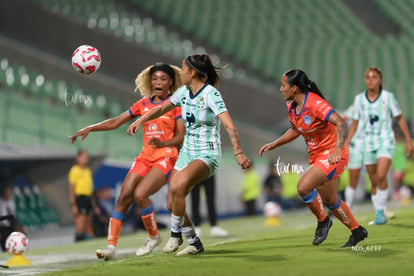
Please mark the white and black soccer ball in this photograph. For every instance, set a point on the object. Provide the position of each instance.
(86, 59)
(17, 243)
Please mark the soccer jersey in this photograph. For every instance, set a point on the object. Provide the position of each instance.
(162, 128)
(376, 119)
(312, 123)
(199, 112)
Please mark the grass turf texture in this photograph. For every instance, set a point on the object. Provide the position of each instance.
(254, 249)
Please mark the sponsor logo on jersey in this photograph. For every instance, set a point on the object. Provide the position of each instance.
(152, 127)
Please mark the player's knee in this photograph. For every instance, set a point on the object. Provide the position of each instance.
(124, 200)
(303, 190)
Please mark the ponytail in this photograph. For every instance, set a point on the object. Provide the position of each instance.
(301, 80)
(204, 68)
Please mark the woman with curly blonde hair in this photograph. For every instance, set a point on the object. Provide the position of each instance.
(152, 168)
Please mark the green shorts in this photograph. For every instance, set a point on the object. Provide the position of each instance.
(356, 158)
(212, 162)
(371, 157)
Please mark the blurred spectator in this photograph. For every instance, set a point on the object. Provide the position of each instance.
(8, 219)
(290, 194)
(399, 162)
(81, 199)
(209, 188)
(250, 190)
(105, 203)
(272, 186)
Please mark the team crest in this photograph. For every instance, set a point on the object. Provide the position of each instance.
(307, 120)
(201, 103)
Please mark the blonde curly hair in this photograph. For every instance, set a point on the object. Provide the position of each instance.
(143, 81)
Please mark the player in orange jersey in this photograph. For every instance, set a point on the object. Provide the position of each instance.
(324, 132)
(152, 168)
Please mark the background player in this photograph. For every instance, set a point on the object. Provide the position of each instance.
(324, 132)
(374, 109)
(152, 168)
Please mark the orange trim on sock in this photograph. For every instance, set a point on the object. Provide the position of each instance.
(316, 206)
(114, 230)
(150, 224)
(345, 216)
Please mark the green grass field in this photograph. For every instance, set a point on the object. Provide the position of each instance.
(252, 249)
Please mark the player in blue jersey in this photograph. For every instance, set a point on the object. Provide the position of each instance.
(203, 109)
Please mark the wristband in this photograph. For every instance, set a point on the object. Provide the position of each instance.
(238, 153)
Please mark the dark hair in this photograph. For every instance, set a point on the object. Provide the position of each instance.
(301, 80)
(204, 68)
(166, 68)
(375, 69)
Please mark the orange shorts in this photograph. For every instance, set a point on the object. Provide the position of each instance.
(142, 166)
(331, 171)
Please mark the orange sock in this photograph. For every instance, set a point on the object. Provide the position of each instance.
(314, 203)
(114, 228)
(342, 212)
(150, 224)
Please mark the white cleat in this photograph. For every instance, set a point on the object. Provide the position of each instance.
(149, 245)
(172, 244)
(191, 250)
(217, 231)
(106, 254)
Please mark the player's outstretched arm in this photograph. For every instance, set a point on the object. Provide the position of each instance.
(228, 124)
(291, 134)
(151, 115)
(102, 126)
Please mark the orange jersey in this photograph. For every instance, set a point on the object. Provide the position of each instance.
(312, 123)
(162, 128)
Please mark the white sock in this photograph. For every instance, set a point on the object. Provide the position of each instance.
(374, 199)
(177, 223)
(190, 234)
(112, 247)
(382, 198)
(349, 196)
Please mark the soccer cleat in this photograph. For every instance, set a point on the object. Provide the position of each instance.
(216, 231)
(357, 235)
(191, 249)
(172, 244)
(106, 254)
(389, 214)
(149, 245)
(322, 231)
(380, 218)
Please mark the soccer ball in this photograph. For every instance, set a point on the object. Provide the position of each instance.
(272, 209)
(86, 59)
(17, 243)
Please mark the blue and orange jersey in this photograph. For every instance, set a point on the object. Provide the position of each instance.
(312, 123)
(162, 128)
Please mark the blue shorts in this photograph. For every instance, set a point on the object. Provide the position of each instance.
(212, 162)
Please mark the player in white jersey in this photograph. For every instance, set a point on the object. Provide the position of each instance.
(374, 109)
(356, 162)
(202, 110)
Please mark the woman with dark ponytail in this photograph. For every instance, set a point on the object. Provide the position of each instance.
(324, 132)
(203, 109)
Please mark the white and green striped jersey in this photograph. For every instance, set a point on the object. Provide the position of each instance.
(376, 118)
(199, 113)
